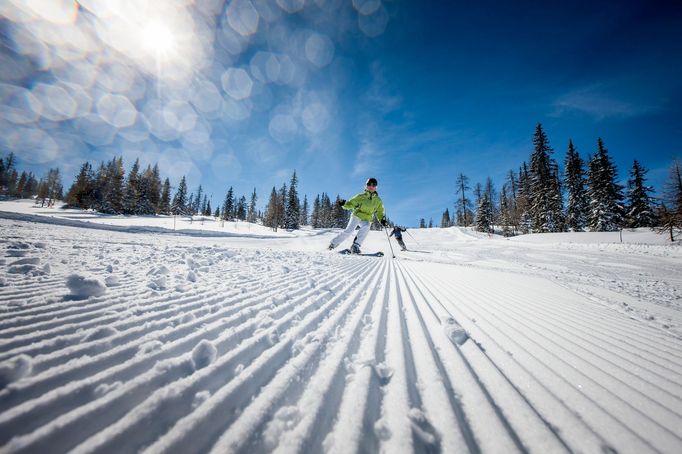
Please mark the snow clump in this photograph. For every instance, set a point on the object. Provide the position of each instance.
(111, 281)
(203, 354)
(15, 369)
(82, 287)
(100, 333)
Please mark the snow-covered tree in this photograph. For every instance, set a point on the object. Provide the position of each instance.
(577, 206)
(144, 205)
(640, 207)
(228, 205)
(484, 214)
(605, 195)
(179, 205)
(292, 210)
(545, 199)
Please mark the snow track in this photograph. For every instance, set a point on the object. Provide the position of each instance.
(204, 347)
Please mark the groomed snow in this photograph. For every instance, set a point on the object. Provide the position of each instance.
(123, 335)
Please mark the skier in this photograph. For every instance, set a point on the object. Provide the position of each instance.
(398, 232)
(364, 206)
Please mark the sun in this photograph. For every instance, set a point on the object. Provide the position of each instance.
(158, 38)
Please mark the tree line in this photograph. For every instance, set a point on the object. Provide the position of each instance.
(46, 190)
(107, 189)
(539, 197)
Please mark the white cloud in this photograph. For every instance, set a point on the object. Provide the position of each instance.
(597, 101)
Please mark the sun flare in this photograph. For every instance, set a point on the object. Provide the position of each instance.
(157, 37)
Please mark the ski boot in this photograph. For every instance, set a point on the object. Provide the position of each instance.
(355, 248)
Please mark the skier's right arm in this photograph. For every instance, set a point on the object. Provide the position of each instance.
(352, 203)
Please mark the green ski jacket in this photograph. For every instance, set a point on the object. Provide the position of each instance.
(365, 204)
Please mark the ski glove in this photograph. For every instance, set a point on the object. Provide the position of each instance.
(383, 222)
(341, 202)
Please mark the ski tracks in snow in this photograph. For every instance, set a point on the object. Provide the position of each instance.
(213, 349)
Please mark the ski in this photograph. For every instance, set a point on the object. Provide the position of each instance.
(371, 254)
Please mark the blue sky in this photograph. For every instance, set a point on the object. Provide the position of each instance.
(243, 93)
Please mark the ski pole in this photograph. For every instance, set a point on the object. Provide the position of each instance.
(412, 237)
(389, 242)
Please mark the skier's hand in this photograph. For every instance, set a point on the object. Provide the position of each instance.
(383, 222)
(341, 202)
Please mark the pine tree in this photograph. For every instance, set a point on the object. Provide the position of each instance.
(430, 223)
(505, 212)
(292, 210)
(315, 215)
(8, 178)
(422, 223)
(155, 189)
(445, 219)
(605, 195)
(206, 206)
(228, 205)
(303, 219)
(513, 214)
(271, 216)
(492, 196)
(179, 206)
(282, 211)
(144, 204)
(640, 211)
(577, 207)
(80, 194)
(114, 189)
(21, 184)
(251, 214)
(484, 214)
(196, 205)
(165, 203)
(132, 189)
(100, 182)
(30, 186)
(241, 209)
(217, 213)
(523, 200)
(545, 197)
(463, 205)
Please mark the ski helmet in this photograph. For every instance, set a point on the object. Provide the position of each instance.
(371, 181)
